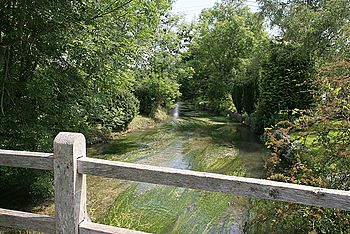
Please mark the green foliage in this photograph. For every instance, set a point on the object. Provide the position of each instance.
(159, 73)
(50, 77)
(108, 112)
(278, 218)
(312, 150)
(154, 92)
(113, 110)
(226, 39)
(69, 66)
(319, 27)
(188, 86)
(28, 184)
(286, 83)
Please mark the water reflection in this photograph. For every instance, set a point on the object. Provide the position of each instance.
(176, 112)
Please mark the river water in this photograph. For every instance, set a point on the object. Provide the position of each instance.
(189, 140)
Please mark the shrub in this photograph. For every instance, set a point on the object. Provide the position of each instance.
(154, 92)
(312, 150)
(285, 83)
(113, 110)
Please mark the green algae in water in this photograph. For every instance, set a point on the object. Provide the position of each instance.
(213, 213)
(154, 210)
(165, 209)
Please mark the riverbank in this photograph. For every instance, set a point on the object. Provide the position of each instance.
(139, 123)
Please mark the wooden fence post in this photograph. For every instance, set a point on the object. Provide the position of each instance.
(70, 187)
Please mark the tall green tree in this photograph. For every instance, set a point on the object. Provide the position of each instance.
(69, 66)
(228, 35)
(62, 62)
(285, 84)
(321, 27)
(162, 67)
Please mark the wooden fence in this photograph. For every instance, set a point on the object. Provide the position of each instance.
(70, 166)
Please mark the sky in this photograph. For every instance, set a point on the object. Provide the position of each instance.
(192, 8)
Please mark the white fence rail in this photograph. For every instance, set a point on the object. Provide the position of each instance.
(34, 160)
(70, 166)
(24, 220)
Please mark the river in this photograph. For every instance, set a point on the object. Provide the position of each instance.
(189, 140)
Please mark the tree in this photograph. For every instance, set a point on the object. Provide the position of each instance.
(320, 27)
(63, 64)
(286, 84)
(227, 38)
(161, 68)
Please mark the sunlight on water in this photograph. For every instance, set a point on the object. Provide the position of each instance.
(176, 112)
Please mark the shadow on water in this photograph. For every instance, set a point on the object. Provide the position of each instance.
(222, 131)
(120, 147)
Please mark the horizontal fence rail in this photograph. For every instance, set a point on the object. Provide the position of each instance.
(95, 228)
(24, 220)
(240, 186)
(46, 224)
(33, 160)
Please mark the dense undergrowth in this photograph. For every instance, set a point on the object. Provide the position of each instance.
(312, 150)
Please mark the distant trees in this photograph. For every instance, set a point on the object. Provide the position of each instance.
(226, 40)
(158, 74)
(236, 66)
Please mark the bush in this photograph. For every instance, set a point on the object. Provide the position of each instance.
(122, 110)
(312, 150)
(112, 111)
(154, 92)
(29, 186)
(286, 83)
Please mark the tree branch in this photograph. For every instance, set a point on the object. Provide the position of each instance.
(101, 14)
